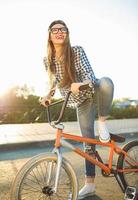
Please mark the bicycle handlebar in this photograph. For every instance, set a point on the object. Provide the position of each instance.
(62, 109)
(82, 87)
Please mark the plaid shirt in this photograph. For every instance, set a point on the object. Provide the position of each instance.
(83, 72)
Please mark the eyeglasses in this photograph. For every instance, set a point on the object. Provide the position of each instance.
(56, 30)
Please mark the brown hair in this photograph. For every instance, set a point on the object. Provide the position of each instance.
(67, 52)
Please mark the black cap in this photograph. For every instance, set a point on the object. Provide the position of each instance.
(57, 22)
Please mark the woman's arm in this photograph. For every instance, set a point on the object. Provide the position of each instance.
(84, 70)
(85, 67)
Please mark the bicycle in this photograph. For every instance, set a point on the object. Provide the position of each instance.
(51, 176)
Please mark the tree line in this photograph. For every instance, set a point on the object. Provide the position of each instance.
(20, 105)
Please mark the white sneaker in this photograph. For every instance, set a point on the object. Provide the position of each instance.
(87, 191)
(104, 135)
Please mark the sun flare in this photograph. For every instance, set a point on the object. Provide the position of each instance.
(3, 89)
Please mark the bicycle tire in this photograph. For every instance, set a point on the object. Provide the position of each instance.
(24, 179)
(128, 179)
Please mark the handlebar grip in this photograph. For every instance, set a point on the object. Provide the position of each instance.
(47, 103)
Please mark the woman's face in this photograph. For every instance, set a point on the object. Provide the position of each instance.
(58, 34)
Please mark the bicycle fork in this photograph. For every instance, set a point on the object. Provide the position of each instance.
(59, 163)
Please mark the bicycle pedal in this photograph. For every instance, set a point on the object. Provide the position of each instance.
(131, 193)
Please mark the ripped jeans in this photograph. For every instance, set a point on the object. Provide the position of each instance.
(86, 115)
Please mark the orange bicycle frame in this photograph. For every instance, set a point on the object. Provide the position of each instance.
(112, 145)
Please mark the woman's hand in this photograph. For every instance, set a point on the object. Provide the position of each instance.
(75, 87)
(45, 101)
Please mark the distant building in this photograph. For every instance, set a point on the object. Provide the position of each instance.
(127, 103)
(134, 102)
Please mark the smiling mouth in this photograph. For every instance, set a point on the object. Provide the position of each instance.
(60, 37)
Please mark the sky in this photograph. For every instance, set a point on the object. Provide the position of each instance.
(106, 29)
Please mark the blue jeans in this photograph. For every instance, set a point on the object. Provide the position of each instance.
(86, 112)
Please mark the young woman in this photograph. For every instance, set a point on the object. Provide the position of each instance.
(68, 69)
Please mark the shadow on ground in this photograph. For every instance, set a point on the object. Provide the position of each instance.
(95, 197)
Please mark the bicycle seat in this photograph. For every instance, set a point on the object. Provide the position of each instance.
(117, 138)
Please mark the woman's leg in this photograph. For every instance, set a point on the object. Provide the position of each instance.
(104, 91)
(104, 97)
(86, 117)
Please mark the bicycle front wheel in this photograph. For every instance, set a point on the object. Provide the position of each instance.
(36, 179)
(129, 178)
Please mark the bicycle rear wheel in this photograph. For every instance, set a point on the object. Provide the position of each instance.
(129, 178)
(32, 182)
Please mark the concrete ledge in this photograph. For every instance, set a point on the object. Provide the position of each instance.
(49, 143)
